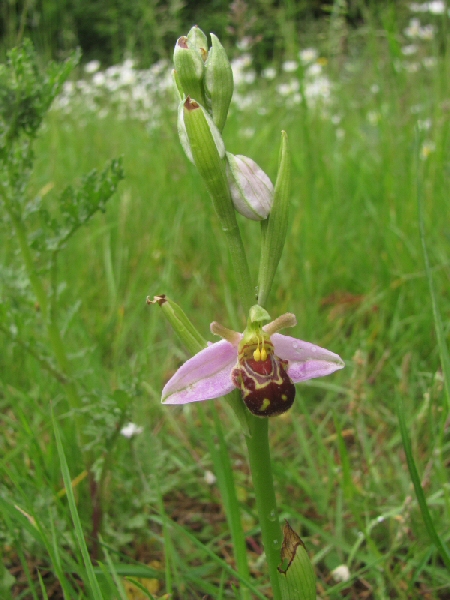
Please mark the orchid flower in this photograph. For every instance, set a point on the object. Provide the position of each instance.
(263, 364)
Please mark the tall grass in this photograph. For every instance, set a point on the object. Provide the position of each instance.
(352, 272)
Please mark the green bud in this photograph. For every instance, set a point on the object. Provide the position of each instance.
(297, 578)
(197, 39)
(277, 223)
(219, 82)
(190, 69)
(180, 323)
(208, 152)
(251, 189)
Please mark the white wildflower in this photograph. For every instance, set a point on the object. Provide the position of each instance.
(209, 477)
(269, 73)
(314, 70)
(99, 79)
(308, 55)
(289, 66)
(437, 7)
(92, 66)
(424, 124)
(341, 573)
(131, 429)
(409, 50)
(429, 62)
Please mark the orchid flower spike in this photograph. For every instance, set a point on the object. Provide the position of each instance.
(263, 364)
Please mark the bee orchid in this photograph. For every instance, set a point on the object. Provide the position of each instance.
(263, 364)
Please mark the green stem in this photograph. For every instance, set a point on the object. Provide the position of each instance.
(240, 266)
(259, 458)
(35, 281)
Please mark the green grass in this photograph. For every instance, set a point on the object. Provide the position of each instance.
(353, 273)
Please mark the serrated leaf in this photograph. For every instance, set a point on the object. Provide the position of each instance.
(77, 205)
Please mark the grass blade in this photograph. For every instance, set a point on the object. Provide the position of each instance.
(420, 495)
(74, 513)
(442, 344)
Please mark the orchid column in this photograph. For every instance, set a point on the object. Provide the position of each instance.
(259, 366)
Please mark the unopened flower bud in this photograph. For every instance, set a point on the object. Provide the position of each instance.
(184, 139)
(218, 82)
(251, 189)
(208, 152)
(190, 69)
(197, 39)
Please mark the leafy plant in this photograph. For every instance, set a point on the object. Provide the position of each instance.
(30, 315)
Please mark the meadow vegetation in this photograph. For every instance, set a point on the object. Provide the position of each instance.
(367, 115)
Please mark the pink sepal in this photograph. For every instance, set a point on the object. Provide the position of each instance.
(205, 376)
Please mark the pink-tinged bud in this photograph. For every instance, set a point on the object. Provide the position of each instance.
(251, 189)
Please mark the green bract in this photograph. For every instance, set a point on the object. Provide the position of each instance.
(219, 82)
(180, 323)
(208, 153)
(277, 224)
(297, 577)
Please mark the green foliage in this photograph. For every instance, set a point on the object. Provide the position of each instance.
(107, 30)
(31, 308)
(26, 93)
(76, 207)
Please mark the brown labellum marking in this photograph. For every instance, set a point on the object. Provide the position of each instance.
(291, 541)
(267, 389)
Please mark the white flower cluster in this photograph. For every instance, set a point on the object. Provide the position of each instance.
(437, 7)
(128, 91)
(415, 30)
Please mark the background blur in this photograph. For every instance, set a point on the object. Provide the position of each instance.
(105, 30)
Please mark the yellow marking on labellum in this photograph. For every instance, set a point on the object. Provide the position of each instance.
(265, 404)
(284, 397)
